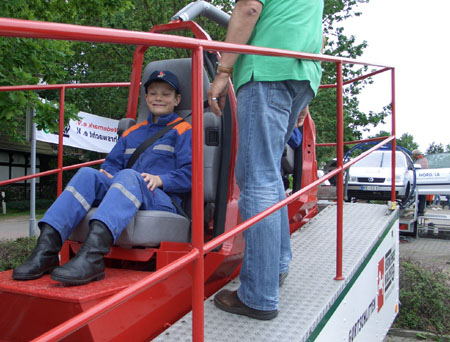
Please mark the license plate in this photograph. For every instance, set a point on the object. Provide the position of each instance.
(369, 187)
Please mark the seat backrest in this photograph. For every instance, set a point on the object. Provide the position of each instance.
(212, 124)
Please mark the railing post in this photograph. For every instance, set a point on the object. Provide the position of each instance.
(197, 195)
(62, 93)
(394, 141)
(135, 82)
(339, 164)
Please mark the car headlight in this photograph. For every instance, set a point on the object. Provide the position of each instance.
(353, 179)
(398, 178)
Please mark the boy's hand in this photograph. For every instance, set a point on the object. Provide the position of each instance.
(106, 173)
(152, 180)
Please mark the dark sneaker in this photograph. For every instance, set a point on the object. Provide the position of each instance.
(229, 301)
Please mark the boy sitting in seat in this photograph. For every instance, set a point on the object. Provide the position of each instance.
(157, 179)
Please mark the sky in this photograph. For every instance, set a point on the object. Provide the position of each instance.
(411, 36)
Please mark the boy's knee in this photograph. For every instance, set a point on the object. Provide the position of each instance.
(86, 172)
(126, 174)
(86, 175)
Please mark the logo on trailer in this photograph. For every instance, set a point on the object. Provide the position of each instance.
(380, 293)
(386, 277)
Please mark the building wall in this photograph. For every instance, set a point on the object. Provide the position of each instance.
(16, 164)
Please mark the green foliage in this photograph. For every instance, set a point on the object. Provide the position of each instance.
(424, 298)
(14, 253)
(435, 148)
(406, 140)
(112, 63)
(323, 107)
(24, 205)
(26, 61)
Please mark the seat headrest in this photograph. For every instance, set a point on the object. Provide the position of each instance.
(182, 69)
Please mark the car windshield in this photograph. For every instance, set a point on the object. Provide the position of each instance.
(382, 159)
(436, 161)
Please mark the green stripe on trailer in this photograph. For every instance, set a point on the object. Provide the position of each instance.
(350, 284)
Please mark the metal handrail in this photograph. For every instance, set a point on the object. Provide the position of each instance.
(34, 29)
(62, 87)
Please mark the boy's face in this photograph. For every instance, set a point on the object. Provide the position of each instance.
(161, 98)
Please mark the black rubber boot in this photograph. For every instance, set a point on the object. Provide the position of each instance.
(88, 264)
(44, 257)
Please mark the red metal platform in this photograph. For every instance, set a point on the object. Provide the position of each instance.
(48, 303)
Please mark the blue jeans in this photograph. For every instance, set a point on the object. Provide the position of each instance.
(118, 200)
(267, 113)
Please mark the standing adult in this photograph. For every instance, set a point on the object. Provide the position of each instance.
(271, 92)
(418, 158)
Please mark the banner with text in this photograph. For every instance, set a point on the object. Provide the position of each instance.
(91, 132)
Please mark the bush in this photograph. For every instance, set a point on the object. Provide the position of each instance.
(424, 298)
(18, 206)
(14, 253)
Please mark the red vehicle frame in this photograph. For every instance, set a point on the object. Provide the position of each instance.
(140, 305)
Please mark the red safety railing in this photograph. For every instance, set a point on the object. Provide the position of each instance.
(62, 91)
(34, 29)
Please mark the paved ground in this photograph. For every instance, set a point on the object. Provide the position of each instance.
(15, 227)
(429, 250)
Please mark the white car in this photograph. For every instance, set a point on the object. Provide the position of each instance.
(433, 174)
(370, 178)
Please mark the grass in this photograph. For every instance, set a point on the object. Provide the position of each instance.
(424, 298)
(22, 208)
(15, 252)
(17, 213)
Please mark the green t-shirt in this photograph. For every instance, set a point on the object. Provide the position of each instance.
(290, 25)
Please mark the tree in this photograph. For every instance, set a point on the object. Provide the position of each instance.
(66, 62)
(323, 107)
(406, 140)
(435, 148)
(112, 63)
(28, 61)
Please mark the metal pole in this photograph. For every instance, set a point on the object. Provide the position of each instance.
(60, 140)
(3, 203)
(394, 141)
(198, 292)
(340, 165)
(32, 222)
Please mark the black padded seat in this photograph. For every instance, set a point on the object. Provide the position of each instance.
(150, 227)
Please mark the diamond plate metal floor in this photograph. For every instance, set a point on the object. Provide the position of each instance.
(310, 288)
